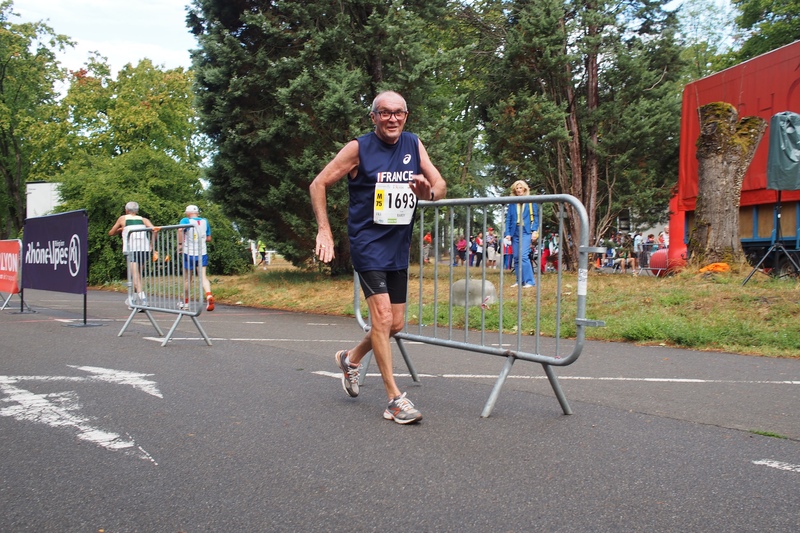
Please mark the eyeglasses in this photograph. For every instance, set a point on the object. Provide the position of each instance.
(386, 115)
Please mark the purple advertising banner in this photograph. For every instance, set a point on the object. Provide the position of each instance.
(54, 253)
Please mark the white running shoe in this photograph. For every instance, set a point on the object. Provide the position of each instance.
(402, 411)
(349, 373)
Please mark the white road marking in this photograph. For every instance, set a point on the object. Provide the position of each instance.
(60, 410)
(584, 378)
(779, 465)
(122, 377)
(216, 339)
(257, 339)
(658, 380)
(491, 376)
(72, 320)
(107, 375)
(338, 375)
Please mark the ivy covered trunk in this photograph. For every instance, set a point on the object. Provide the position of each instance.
(725, 148)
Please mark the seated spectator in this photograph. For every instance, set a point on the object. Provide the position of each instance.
(610, 246)
(625, 256)
(624, 263)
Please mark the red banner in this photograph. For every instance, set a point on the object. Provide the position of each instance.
(10, 266)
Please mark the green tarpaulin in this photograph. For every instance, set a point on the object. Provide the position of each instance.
(783, 165)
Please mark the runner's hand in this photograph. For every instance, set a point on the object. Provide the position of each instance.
(324, 247)
(420, 186)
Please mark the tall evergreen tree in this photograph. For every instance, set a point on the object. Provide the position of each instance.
(640, 92)
(566, 73)
(282, 86)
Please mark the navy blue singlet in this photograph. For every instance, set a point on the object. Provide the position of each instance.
(375, 246)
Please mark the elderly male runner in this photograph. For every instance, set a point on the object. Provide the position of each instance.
(387, 170)
(136, 247)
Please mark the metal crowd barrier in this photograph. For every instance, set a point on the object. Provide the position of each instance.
(645, 266)
(479, 337)
(159, 282)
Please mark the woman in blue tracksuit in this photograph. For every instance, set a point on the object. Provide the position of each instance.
(527, 216)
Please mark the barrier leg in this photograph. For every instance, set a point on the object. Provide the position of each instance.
(196, 323)
(201, 330)
(407, 359)
(487, 409)
(171, 330)
(368, 358)
(551, 376)
(130, 319)
(127, 323)
(153, 321)
(22, 303)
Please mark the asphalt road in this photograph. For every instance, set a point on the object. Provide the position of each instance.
(117, 434)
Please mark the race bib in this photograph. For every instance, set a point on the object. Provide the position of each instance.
(394, 204)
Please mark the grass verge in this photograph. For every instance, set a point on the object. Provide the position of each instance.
(698, 312)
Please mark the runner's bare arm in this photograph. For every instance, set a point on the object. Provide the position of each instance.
(117, 227)
(340, 166)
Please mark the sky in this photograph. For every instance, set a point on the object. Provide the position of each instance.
(123, 31)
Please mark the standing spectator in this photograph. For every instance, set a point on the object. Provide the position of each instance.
(461, 249)
(262, 249)
(491, 248)
(550, 252)
(379, 241)
(479, 249)
(193, 242)
(136, 247)
(426, 247)
(508, 253)
(553, 246)
(525, 216)
(472, 249)
(638, 246)
(666, 236)
(648, 247)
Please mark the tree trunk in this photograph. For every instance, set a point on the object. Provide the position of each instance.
(725, 148)
(575, 186)
(592, 104)
(12, 175)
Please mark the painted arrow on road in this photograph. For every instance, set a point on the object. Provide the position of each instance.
(60, 410)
